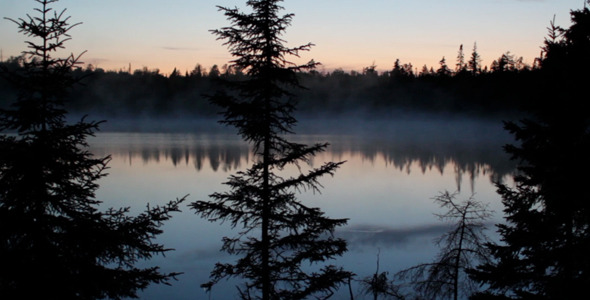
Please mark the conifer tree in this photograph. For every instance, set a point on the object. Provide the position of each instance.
(278, 233)
(460, 66)
(443, 70)
(504, 63)
(425, 71)
(545, 242)
(55, 243)
(474, 64)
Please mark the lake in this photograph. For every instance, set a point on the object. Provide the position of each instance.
(386, 188)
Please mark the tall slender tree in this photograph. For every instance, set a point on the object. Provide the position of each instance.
(279, 233)
(55, 243)
(474, 64)
(460, 66)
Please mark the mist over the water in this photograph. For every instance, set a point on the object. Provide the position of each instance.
(393, 169)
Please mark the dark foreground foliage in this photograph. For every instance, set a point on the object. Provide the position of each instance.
(546, 237)
(55, 243)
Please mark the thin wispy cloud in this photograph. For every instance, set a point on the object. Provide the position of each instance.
(180, 48)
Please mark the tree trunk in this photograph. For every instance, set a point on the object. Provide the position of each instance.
(266, 211)
(266, 284)
(458, 258)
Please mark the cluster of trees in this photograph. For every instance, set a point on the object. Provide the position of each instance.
(56, 242)
(466, 87)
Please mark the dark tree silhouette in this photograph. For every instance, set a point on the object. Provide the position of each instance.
(462, 248)
(546, 238)
(379, 284)
(460, 66)
(474, 64)
(54, 241)
(279, 233)
(506, 62)
(443, 70)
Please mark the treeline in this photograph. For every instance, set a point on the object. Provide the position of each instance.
(466, 87)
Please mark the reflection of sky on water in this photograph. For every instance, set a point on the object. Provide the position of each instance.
(385, 189)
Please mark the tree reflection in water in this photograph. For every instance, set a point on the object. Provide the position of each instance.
(385, 188)
(470, 153)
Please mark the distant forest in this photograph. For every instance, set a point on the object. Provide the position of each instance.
(463, 86)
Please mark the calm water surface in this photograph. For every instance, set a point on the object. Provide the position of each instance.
(385, 189)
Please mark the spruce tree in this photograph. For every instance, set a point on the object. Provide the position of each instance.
(546, 237)
(279, 234)
(474, 64)
(55, 242)
(443, 70)
(460, 66)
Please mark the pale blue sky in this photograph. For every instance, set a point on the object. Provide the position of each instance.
(348, 34)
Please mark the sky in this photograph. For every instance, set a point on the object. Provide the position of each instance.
(348, 34)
